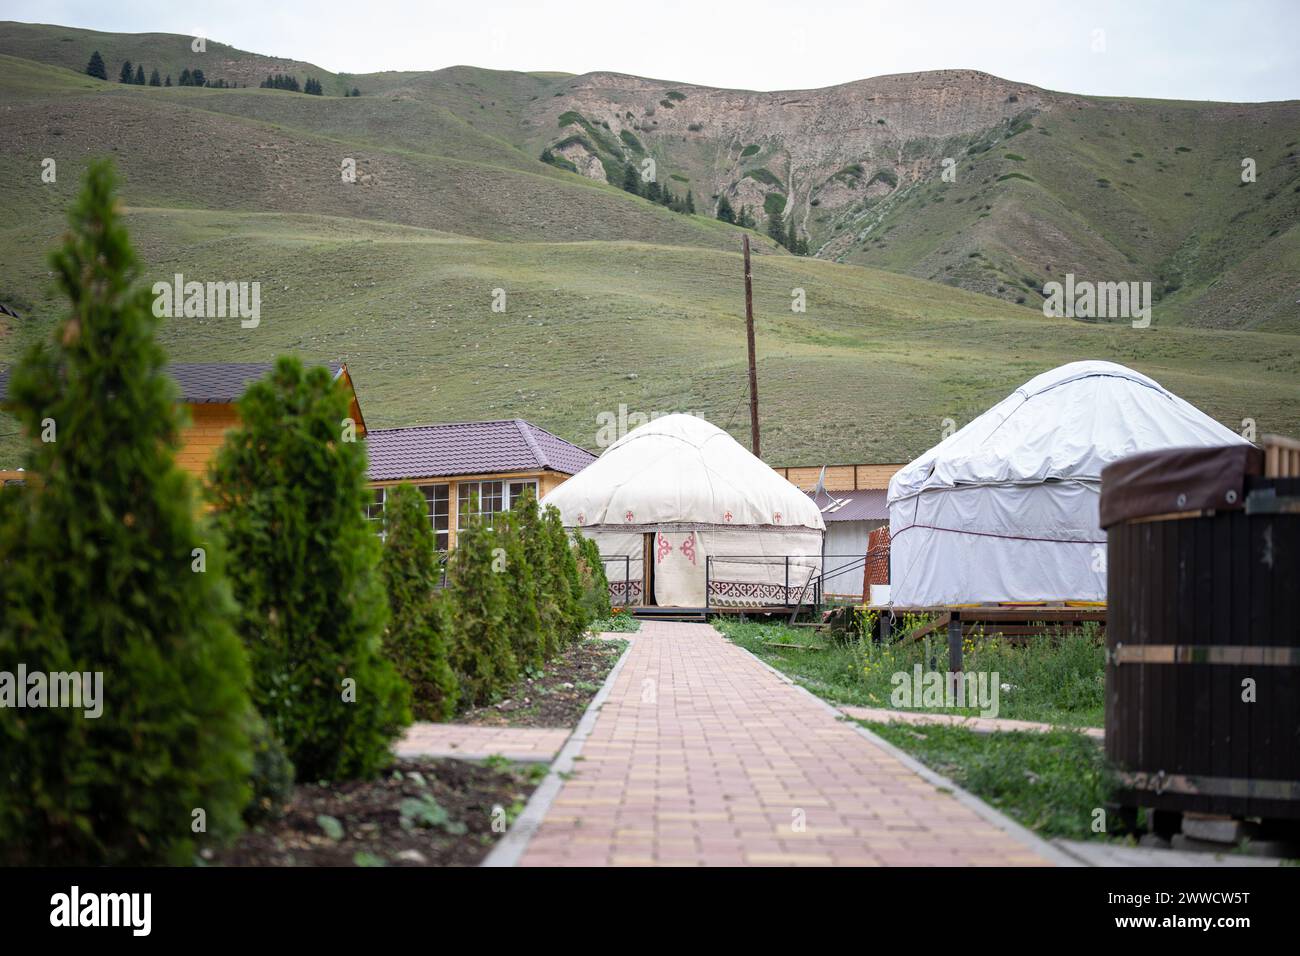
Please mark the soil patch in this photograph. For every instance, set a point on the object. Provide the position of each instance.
(420, 812)
(558, 697)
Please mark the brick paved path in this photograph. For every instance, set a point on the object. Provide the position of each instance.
(701, 755)
(474, 742)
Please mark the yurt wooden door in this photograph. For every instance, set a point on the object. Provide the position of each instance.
(678, 568)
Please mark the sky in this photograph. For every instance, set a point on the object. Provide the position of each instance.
(1233, 50)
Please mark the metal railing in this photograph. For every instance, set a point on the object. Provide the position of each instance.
(620, 596)
(802, 578)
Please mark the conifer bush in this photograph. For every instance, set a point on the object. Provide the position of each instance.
(99, 574)
(481, 652)
(591, 572)
(523, 604)
(288, 492)
(565, 578)
(272, 777)
(419, 624)
(546, 573)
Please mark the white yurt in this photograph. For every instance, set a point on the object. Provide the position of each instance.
(678, 501)
(1006, 508)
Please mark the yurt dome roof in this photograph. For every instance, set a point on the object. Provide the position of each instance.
(681, 470)
(1067, 423)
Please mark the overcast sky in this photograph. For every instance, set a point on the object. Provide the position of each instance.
(1240, 50)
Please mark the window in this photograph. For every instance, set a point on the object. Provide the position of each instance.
(375, 510)
(517, 488)
(437, 498)
(486, 498)
(479, 499)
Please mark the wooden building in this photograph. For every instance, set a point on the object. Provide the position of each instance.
(209, 392)
(463, 468)
(469, 468)
(864, 477)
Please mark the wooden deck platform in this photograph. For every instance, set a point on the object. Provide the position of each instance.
(1015, 621)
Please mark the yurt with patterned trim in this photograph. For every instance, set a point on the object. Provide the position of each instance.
(1006, 509)
(678, 506)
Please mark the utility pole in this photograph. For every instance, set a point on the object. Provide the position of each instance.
(753, 371)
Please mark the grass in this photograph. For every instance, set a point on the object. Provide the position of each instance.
(1051, 783)
(620, 622)
(765, 176)
(409, 310)
(1053, 681)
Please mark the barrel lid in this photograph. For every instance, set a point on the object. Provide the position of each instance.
(1177, 479)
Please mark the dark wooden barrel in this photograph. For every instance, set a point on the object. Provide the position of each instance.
(1203, 592)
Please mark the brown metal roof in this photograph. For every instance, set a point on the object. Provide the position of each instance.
(222, 382)
(470, 448)
(203, 383)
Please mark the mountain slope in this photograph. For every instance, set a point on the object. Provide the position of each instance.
(1044, 183)
(613, 300)
(172, 147)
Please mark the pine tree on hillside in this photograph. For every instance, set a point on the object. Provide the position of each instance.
(127, 75)
(791, 237)
(690, 202)
(186, 78)
(631, 181)
(725, 212)
(419, 626)
(288, 492)
(96, 67)
(155, 79)
(746, 218)
(652, 191)
(102, 574)
(168, 81)
(196, 77)
(775, 227)
(139, 75)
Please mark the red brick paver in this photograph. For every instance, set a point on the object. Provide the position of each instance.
(701, 755)
(474, 742)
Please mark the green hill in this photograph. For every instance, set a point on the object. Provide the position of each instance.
(613, 300)
(169, 53)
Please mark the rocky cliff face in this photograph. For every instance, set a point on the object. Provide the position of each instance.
(824, 149)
